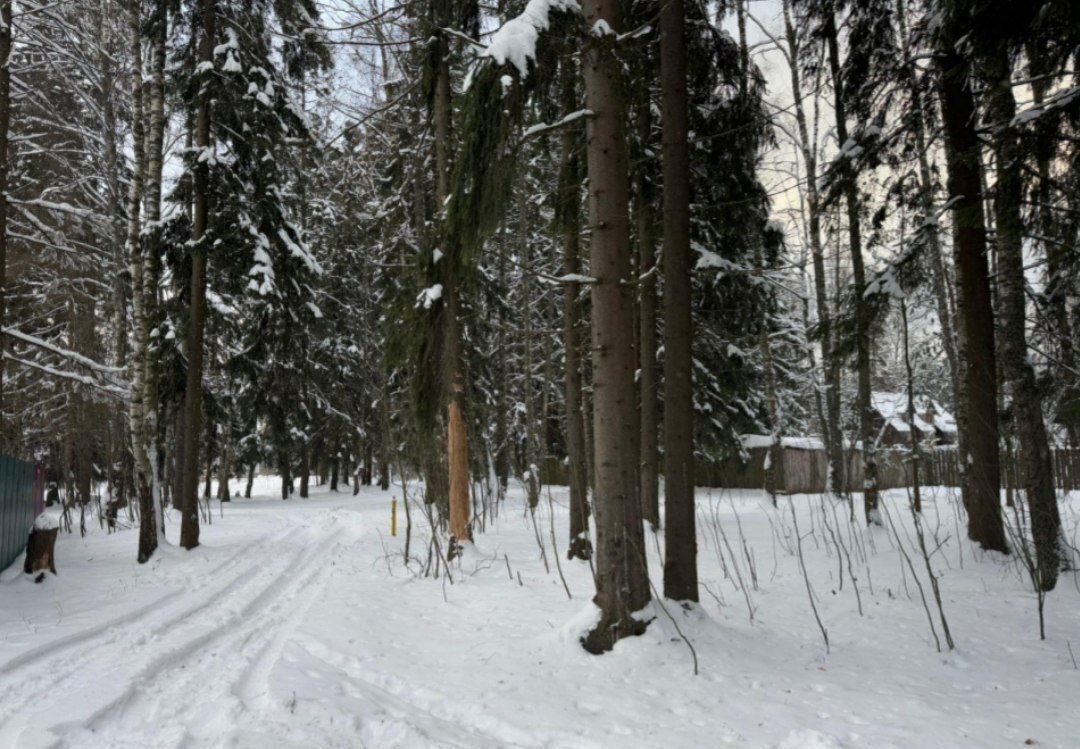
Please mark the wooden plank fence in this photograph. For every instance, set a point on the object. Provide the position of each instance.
(806, 470)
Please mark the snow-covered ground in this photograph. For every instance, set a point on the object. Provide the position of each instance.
(297, 624)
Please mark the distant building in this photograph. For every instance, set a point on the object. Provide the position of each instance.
(932, 423)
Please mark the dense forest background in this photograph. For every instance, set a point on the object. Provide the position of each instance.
(476, 243)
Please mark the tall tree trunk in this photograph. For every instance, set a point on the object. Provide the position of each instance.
(622, 576)
(830, 362)
(775, 479)
(938, 275)
(140, 437)
(502, 377)
(1036, 465)
(1059, 248)
(916, 497)
(680, 563)
(648, 384)
(151, 258)
(532, 470)
(5, 125)
(457, 441)
(189, 519)
(858, 271)
(976, 331)
(580, 546)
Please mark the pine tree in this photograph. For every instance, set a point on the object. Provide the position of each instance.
(622, 586)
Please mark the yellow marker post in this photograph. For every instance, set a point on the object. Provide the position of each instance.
(393, 517)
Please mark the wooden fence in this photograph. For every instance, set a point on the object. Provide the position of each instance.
(806, 470)
(22, 487)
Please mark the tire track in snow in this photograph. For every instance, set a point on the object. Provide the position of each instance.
(54, 648)
(65, 673)
(205, 676)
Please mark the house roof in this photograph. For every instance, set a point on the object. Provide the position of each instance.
(893, 408)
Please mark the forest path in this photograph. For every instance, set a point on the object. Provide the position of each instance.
(193, 661)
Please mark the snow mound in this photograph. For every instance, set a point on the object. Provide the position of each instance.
(805, 738)
(46, 522)
(579, 625)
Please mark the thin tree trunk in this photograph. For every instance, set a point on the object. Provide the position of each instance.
(189, 519)
(916, 499)
(5, 125)
(502, 450)
(622, 582)
(834, 444)
(938, 275)
(862, 313)
(224, 469)
(211, 443)
(335, 469)
(531, 473)
(386, 438)
(580, 546)
(680, 562)
(148, 527)
(982, 461)
(151, 256)
(1060, 252)
(648, 384)
(1035, 465)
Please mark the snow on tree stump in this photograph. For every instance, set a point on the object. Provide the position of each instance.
(41, 546)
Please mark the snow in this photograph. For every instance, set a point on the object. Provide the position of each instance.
(429, 296)
(602, 28)
(893, 407)
(515, 41)
(750, 441)
(295, 624)
(46, 522)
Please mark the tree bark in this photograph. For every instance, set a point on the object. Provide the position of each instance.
(1036, 465)
(457, 441)
(148, 527)
(982, 461)
(189, 518)
(622, 582)
(680, 563)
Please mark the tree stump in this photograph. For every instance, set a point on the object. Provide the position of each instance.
(40, 547)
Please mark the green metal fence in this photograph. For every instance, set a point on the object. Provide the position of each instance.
(18, 489)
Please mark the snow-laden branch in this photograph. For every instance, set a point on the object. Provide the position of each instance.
(515, 41)
(112, 390)
(66, 353)
(543, 127)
